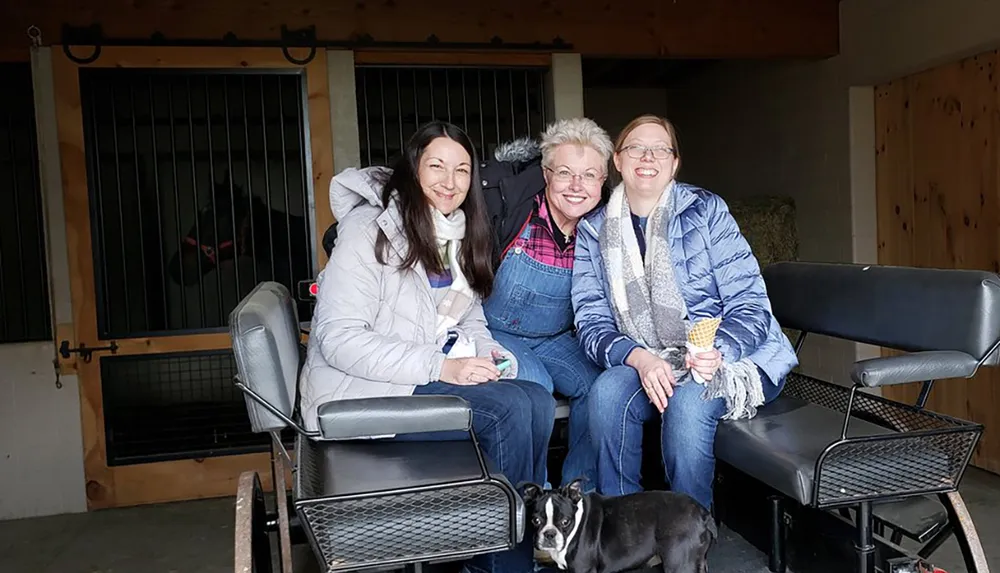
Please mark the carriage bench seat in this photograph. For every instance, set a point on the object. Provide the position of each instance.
(827, 445)
(365, 502)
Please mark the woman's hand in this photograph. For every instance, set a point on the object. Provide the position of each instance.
(706, 364)
(656, 375)
(499, 356)
(468, 371)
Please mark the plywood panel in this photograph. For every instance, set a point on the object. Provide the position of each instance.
(939, 202)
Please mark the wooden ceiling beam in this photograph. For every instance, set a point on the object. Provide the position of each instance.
(667, 28)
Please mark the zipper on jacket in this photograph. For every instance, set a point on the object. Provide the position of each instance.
(503, 204)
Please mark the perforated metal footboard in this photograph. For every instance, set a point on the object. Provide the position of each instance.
(398, 526)
(925, 452)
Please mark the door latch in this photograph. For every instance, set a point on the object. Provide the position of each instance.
(85, 352)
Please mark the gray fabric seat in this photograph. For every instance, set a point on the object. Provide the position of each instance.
(366, 502)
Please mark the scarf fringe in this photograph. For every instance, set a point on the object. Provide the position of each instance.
(740, 385)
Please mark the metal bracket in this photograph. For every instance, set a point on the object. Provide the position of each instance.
(82, 35)
(306, 37)
(85, 353)
(93, 35)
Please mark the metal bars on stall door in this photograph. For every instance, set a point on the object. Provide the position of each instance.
(25, 314)
(198, 190)
(493, 105)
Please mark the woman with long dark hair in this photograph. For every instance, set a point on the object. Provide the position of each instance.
(399, 311)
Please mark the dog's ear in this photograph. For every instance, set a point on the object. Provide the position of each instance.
(574, 489)
(529, 491)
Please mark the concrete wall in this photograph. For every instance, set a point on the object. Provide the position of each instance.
(806, 129)
(612, 108)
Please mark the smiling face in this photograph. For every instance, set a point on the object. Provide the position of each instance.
(445, 174)
(647, 159)
(573, 181)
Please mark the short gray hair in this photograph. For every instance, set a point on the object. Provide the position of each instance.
(576, 131)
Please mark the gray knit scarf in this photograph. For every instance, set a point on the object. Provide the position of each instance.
(648, 306)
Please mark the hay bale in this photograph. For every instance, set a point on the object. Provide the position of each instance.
(768, 223)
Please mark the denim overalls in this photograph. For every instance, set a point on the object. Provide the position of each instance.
(531, 314)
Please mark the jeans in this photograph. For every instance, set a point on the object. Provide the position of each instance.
(530, 313)
(559, 364)
(512, 420)
(618, 408)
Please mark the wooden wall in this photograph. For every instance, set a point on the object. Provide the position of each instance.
(676, 28)
(938, 194)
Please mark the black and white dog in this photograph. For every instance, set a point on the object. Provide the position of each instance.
(590, 533)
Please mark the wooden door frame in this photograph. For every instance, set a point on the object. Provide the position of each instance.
(369, 57)
(181, 479)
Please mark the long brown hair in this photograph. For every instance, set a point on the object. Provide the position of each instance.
(475, 256)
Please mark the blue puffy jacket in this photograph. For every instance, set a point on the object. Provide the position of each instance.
(717, 275)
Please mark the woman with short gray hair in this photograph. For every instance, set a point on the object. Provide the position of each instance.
(536, 193)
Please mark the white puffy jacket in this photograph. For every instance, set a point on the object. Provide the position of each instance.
(373, 326)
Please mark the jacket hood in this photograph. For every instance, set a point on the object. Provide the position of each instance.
(354, 187)
(521, 150)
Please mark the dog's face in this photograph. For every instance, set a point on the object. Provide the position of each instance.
(556, 514)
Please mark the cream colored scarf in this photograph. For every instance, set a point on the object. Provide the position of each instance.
(450, 231)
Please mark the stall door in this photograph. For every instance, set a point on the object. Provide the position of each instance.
(189, 178)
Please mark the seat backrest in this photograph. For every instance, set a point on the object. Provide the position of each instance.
(903, 308)
(264, 328)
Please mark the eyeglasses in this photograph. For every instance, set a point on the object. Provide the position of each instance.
(564, 175)
(638, 151)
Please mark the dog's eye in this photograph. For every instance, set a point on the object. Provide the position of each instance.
(564, 522)
(536, 521)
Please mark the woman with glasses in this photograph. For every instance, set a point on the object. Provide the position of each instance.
(535, 195)
(661, 256)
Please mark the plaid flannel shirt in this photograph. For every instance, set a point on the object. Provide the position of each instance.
(541, 244)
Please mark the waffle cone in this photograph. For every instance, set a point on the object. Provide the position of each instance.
(702, 334)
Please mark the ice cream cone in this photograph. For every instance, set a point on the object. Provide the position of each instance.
(701, 338)
(702, 334)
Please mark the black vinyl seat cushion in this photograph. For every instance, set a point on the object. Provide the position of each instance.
(372, 466)
(367, 501)
(781, 444)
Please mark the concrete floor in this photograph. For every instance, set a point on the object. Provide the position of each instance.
(197, 537)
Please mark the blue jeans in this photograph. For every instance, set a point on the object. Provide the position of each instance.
(512, 420)
(559, 364)
(619, 407)
(531, 314)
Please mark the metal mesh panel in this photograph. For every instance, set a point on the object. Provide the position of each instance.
(24, 296)
(412, 526)
(174, 406)
(875, 409)
(927, 454)
(492, 105)
(893, 466)
(199, 189)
